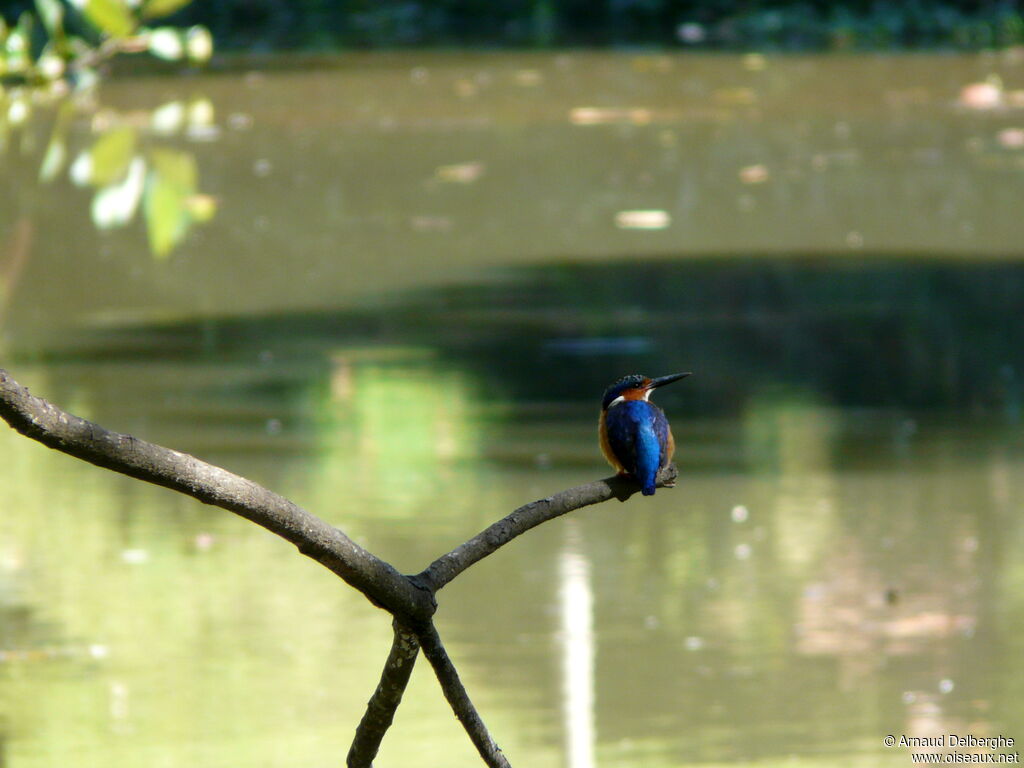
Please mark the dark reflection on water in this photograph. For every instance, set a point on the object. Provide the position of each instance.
(879, 332)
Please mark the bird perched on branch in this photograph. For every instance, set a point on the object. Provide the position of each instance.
(635, 435)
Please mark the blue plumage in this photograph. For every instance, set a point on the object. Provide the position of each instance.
(638, 436)
(635, 435)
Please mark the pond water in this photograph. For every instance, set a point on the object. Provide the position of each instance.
(393, 288)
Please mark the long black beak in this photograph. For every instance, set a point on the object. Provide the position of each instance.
(663, 380)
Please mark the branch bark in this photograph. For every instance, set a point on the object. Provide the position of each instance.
(382, 584)
(410, 599)
(380, 710)
(518, 522)
(459, 700)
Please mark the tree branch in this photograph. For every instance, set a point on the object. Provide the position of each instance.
(410, 599)
(459, 700)
(518, 522)
(379, 581)
(380, 710)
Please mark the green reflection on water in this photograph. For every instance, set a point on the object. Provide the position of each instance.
(392, 434)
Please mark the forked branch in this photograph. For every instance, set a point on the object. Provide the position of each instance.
(410, 599)
(380, 710)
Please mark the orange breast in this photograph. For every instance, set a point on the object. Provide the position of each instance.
(606, 448)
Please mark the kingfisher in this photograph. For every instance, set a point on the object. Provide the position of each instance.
(635, 435)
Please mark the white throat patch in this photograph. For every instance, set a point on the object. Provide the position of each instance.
(622, 398)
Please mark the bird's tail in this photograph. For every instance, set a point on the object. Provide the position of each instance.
(647, 473)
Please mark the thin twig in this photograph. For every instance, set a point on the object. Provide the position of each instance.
(459, 700)
(57, 429)
(380, 710)
(109, 48)
(516, 523)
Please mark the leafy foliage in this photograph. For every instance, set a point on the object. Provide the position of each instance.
(65, 40)
(55, 51)
(127, 165)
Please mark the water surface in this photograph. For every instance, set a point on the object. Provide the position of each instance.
(419, 274)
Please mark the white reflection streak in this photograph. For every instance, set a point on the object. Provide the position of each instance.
(576, 601)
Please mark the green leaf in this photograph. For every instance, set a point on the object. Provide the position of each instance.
(50, 64)
(167, 43)
(19, 110)
(53, 161)
(15, 44)
(18, 44)
(199, 44)
(109, 16)
(57, 150)
(115, 204)
(156, 8)
(52, 14)
(178, 168)
(26, 22)
(111, 155)
(202, 207)
(170, 185)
